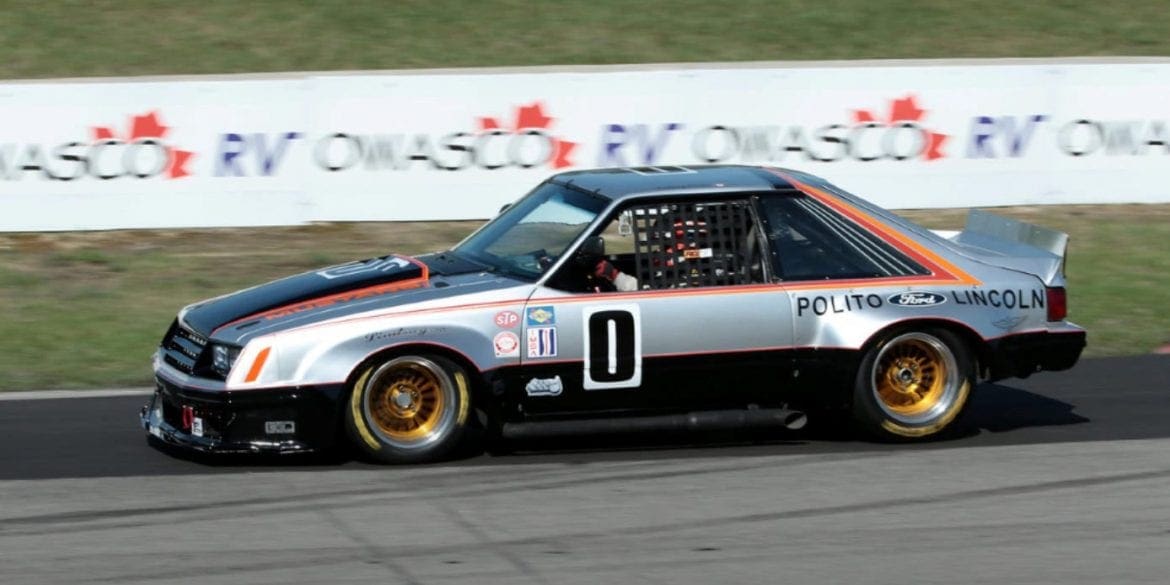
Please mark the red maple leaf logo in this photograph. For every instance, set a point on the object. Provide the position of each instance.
(149, 126)
(907, 110)
(532, 117)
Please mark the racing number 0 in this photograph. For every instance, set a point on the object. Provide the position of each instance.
(613, 347)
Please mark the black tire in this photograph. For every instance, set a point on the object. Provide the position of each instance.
(410, 409)
(912, 384)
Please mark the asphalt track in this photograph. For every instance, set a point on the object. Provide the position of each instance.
(1060, 478)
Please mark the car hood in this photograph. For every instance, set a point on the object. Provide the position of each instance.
(337, 291)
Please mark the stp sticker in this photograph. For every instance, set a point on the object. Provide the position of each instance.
(542, 342)
(507, 344)
(545, 315)
(507, 319)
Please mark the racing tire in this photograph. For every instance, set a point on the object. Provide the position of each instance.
(912, 385)
(409, 409)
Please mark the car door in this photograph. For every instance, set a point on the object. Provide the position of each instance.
(701, 331)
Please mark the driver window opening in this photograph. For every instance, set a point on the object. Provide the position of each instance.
(677, 245)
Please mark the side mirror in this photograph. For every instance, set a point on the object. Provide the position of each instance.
(591, 250)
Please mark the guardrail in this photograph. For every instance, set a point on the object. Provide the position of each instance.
(456, 144)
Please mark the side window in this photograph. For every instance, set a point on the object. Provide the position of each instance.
(686, 244)
(812, 242)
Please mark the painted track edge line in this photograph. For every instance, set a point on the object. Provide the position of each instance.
(58, 394)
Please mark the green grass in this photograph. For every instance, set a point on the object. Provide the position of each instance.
(68, 38)
(86, 310)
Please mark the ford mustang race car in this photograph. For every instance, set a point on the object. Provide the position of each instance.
(625, 299)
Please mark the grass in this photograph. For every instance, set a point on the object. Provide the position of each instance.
(86, 310)
(75, 38)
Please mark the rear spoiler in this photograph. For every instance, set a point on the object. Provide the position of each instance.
(1014, 244)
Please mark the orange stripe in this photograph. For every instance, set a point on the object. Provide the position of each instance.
(258, 365)
(788, 286)
(939, 266)
(352, 295)
(942, 271)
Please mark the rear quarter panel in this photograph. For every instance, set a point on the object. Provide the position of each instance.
(1001, 302)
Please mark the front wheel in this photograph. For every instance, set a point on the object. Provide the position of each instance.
(912, 384)
(409, 409)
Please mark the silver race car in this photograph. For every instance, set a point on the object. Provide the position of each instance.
(625, 299)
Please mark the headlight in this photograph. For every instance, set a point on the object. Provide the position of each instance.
(223, 357)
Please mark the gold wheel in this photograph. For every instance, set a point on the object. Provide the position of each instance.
(410, 402)
(916, 379)
(407, 402)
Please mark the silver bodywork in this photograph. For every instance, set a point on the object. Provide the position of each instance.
(994, 286)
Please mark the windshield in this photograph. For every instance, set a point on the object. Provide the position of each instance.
(529, 236)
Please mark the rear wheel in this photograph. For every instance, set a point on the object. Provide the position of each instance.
(913, 384)
(409, 409)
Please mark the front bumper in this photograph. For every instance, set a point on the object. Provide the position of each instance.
(278, 421)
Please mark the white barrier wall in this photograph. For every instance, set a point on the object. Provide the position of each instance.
(397, 146)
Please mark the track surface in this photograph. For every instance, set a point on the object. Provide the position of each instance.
(1062, 478)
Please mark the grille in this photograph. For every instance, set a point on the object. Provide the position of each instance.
(183, 347)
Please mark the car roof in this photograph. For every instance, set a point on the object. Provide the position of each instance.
(618, 183)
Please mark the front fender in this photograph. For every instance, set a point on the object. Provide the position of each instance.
(328, 354)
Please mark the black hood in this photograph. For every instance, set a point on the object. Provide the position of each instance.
(308, 291)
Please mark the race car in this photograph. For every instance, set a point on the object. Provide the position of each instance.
(625, 299)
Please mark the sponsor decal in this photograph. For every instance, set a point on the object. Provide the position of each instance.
(507, 319)
(1006, 299)
(376, 265)
(545, 315)
(141, 152)
(823, 305)
(916, 299)
(544, 386)
(1012, 136)
(542, 342)
(697, 254)
(899, 133)
(280, 427)
(526, 142)
(1113, 137)
(1008, 323)
(996, 136)
(904, 115)
(506, 344)
(403, 332)
(197, 426)
(239, 153)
